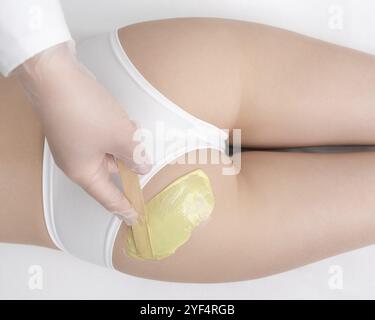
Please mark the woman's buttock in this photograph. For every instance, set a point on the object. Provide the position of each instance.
(195, 62)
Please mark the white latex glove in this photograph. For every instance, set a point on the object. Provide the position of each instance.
(85, 126)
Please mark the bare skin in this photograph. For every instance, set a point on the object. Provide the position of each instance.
(21, 145)
(284, 209)
(281, 88)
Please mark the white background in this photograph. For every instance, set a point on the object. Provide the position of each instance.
(68, 277)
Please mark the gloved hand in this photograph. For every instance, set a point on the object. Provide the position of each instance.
(85, 126)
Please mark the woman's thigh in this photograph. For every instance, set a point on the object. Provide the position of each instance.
(280, 88)
(282, 210)
(21, 145)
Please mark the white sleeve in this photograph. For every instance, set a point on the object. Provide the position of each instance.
(28, 27)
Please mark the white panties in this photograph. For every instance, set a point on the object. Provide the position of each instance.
(77, 223)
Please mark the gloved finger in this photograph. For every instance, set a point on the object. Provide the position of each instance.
(101, 187)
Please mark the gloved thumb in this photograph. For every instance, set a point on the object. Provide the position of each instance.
(101, 187)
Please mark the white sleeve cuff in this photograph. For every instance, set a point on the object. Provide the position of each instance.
(27, 27)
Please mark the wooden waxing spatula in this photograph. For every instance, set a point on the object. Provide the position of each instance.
(134, 194)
